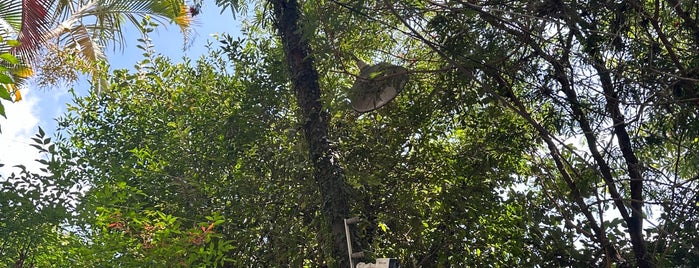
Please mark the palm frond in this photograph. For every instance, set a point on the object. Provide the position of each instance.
(11, 12)
(83, 43)
(85, 27)
(107, 17)
(36, 22)
(64, 8)
(10, 22)
(7, 32)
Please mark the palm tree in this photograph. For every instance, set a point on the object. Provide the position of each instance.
(51, 31)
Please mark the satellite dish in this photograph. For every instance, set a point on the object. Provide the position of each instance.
(376, 85)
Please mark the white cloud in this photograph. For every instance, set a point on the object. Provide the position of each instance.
(17, 131)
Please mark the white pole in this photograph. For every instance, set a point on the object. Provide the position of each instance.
(349, 239)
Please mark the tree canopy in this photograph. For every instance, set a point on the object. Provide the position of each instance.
(529, 134)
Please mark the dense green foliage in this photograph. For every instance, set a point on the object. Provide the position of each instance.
(530, 134)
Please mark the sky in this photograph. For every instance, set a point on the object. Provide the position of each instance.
(39, 107)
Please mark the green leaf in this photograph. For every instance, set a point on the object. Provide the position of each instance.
(9, 58)
(13, 43)
(38, 147)
(37, 140)
(6, 79)
(383, 227)
(5, 95)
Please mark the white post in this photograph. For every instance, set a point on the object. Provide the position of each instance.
(349, 240)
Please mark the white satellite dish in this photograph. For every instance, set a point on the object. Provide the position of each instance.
(376, 85)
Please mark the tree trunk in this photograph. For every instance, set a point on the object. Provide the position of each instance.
(635, 222)
(327, 172)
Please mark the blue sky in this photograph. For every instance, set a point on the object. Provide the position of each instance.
(40, 106)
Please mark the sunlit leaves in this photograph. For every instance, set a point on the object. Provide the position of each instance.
(205, 157)
(190, 140)
(10, 68)
(34, 205)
